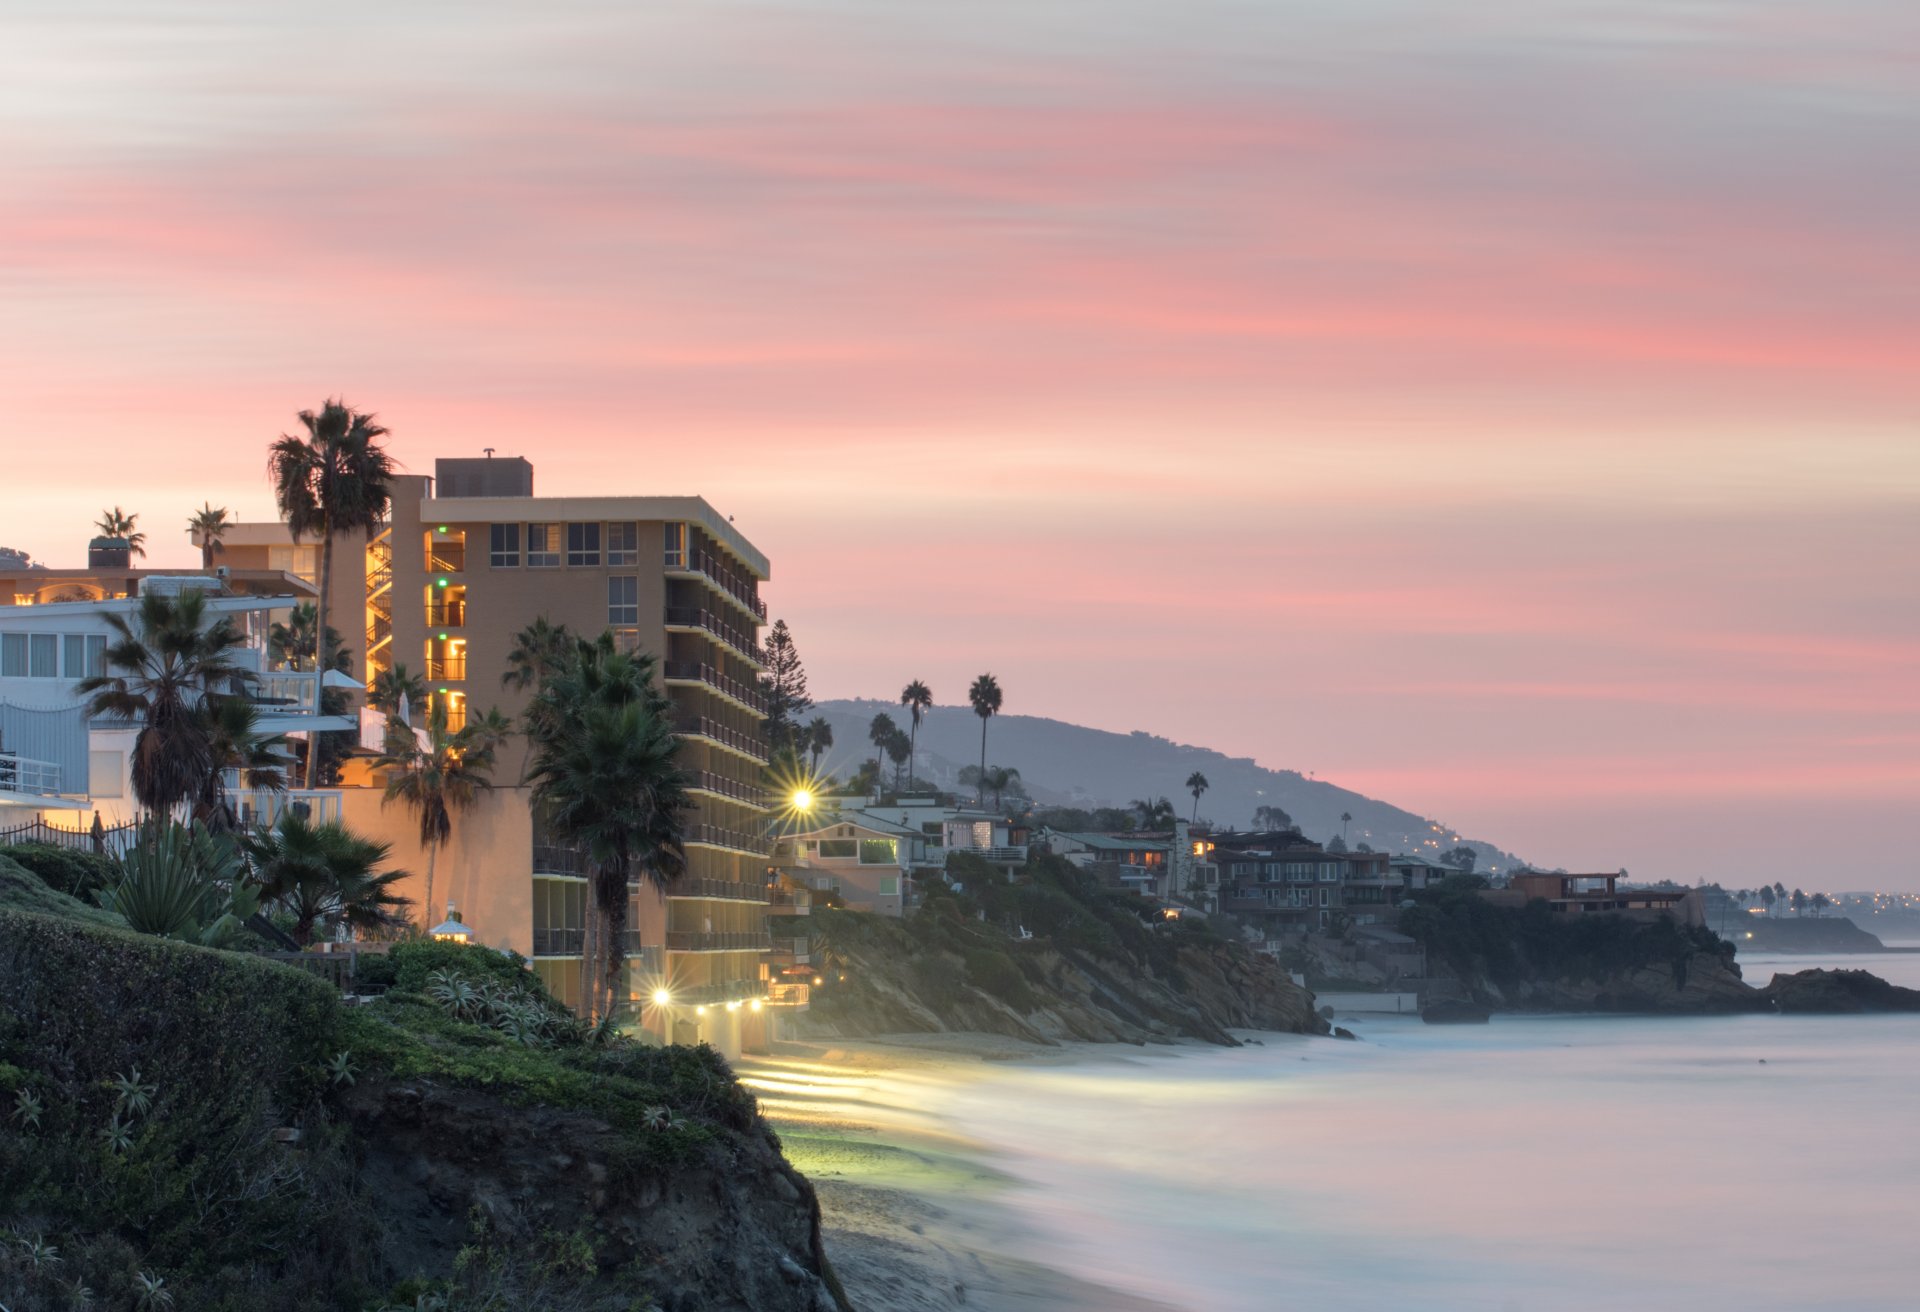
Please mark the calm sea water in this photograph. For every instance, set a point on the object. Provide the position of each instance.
(1567, 1163)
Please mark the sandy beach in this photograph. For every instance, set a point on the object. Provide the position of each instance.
(913, 1211)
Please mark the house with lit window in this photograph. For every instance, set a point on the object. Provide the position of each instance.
(469, 558)
(862, 859)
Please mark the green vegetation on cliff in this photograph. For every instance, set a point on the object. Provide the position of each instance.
(219, 1129)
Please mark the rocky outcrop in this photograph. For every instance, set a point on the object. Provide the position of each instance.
(735, 1229)
(1703, 984)
(1803, 934)
(1838, 992)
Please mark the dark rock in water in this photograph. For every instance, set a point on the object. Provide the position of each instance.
(1342, 1032)
(1455, 1012)
(1838, 993)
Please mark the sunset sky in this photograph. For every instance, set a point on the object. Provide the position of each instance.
(1508, 409)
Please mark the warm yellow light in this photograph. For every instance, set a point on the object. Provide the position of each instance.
(818, 980)
(803, 799)
(699, 1011)
(733, 1006)
(661, 997)
(756, 1005)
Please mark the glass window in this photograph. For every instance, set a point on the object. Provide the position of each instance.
(623, 544)
(838, 849)
(43, 655)
(73, 655)
(583, 544)
(879, 852)
(504, 546)
(543, 546)
(96, 654)
(676, 546)
(13, 655)
(890, 886)
(623, 599)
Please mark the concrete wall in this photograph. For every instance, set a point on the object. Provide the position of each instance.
(486, 870)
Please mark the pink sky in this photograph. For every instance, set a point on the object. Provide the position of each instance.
(1511, 411)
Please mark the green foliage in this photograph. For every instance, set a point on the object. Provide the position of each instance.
(184, 882)
(995, 973)
(77, 874)
(415, 961)
(21, 890)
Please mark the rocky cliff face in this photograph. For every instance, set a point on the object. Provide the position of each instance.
(896, 982)
(1704, 984)
(1838, 992)
(558, 1196)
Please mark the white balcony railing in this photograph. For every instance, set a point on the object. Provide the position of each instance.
(23, 774)
(289, 691)
(258, 807)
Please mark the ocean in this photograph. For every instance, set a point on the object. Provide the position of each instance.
(1745, 1163)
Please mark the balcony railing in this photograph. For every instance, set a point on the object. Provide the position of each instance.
(706, 995)
(559, 942)
(261, 808)
(724, 577)
(447, 668)
(1016, 853)
(733, 890)
(447, 614)
(554, 859)
(745, 940)
(788, 902)
(702, 726)
(288, 690)
(697, 617)
(737, 840)
(788, 995)
(731, 789)
(23, 774)
(747, 695)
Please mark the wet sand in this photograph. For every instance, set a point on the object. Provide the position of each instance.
(913, 1212)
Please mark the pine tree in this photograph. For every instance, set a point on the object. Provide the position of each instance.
(785, 684)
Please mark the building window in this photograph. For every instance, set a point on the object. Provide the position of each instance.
(626, 641)
(13, 655)
(1323, 897)
(879, 852)
(301, 562)
(583, 544)
(43, 655)
(890, 886)
(504, 546)
(623, 544)
(623, 599)
(838, 849)
(676, 546)
(543, 546)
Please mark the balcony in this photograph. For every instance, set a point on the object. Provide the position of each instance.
(751, 746)
(790, 902)
(559, 942)
(446, 614)
(706, 995)
(698, 619)
(706, 781)
(744, 940)
(722, 576)
(731, 890)
(448, 668)
(23, 774)
(745, 695)
(1013, 855)
(261, 808)
(734, 840)
(553, 859)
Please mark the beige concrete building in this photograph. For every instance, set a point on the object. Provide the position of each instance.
(470, 558)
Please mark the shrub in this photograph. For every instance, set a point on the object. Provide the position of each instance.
(995, 973)
(77, 874)
(417, 959)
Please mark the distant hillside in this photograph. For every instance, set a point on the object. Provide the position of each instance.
(1069, 765)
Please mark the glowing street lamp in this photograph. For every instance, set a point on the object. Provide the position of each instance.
(451, 930)
(802, 800)
(662, 998)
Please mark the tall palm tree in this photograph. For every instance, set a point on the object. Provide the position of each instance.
(986, 697)
(209, 524)
(899, 749)
(1000, 778)
(235, 744)
(160, 678)
(324, 874)
(1346, 818)
(918, 699)
(606, 779)
(539, 651)
(293, 643)
(1154, 813)
(434, 781)
(336, 479)
(116, 523)
(1197, 784)
(819, 739)
(881, 730)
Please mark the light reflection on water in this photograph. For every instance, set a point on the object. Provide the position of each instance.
(1753, 1162)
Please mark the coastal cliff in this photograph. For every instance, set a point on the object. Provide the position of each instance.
(1091, 971)
(223, 1125)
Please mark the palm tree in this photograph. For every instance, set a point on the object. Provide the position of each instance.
(881, 730)
(235, 744)
(1767, 899)
(899, 749)
(606, 779)
(1197, 784)
(1154, 813)
(539, 651)
(819, 739)
(165, 674)
(985, 696)
(116, 523)
(1000, 778)
(325, 875)
(1346, 818)
(446, 775)
(336, 479)
(918, 699)
(292, 644)
(209, 524)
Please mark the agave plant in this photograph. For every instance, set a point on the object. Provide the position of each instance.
(136, 1099)
(656, 1118)
(118, 1136)
(150, 1293)
(26, 1110)
(41, 1256)
(182, 881)
(340, 1070)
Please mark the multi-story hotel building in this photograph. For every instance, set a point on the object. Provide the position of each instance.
(466, 561)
